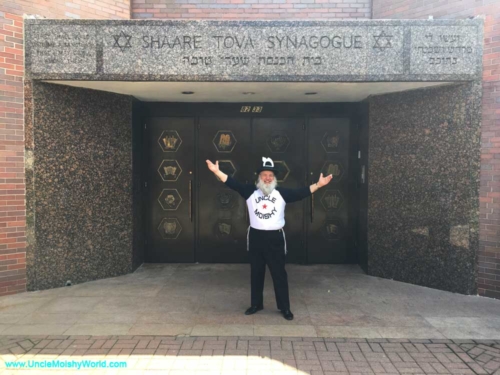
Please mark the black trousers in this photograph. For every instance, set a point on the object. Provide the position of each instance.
(268, 247)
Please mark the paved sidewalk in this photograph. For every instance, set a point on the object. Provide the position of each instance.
(209, 300)
(256, 355)
(188, 319)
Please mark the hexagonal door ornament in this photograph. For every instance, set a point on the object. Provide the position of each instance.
(225, 199)
(332, 229)
(334, 168)
(224, 141)
(170, 141)
(332, 200)
(223, 229)
(170, 199)
(331, 142)
(169, 170)
(278, 142)
(227, 167)
(169, 228)
(283, 170)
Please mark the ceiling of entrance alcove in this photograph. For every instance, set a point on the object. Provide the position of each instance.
(250, 91)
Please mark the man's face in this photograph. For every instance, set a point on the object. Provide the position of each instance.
(267, 177)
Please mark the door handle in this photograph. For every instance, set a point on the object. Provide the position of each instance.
(190, 201)
(312, 207)
(246, 208)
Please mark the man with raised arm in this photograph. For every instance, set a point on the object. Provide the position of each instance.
(266, 240)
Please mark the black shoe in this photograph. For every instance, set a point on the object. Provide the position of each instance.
(287, 314)
(253, 309)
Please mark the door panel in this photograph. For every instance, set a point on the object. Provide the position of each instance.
(283, 140)
(223, 217)
(170, 224)
(328, 222)
(193, 217)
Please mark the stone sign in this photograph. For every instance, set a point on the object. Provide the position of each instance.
(226, 51)
(443, 50)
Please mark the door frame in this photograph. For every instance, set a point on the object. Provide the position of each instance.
(268, 110)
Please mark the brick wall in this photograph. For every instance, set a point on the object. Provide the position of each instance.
(12, 148)
(488, 269)
(411, 9)
(489, 246)
(12, 187)
(251, 9)
(100, 9)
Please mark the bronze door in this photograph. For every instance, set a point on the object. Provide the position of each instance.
(193, 217)
(222, 214)
(283, 140)
(329, 222)
(170, 221)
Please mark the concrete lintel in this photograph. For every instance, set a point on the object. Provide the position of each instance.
(286, 51)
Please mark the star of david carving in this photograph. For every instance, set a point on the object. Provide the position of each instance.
(382, 41)
(122, 44)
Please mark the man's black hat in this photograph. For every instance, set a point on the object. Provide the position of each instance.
(267, 165)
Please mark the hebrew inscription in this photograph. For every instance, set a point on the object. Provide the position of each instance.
(252, 50)
(64, 49)
(443, 50)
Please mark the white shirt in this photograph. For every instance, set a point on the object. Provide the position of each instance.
(266, 212)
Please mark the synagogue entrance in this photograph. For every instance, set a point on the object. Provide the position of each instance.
(193, 217)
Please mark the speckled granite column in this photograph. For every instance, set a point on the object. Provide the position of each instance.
(423, 204)
(30, 190)
(82, 190)
(138, 185)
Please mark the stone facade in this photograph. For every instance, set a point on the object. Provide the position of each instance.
(416, 169)
(13, 228)
(81, 196)
(254, 51)
(15, 174)
(489, 246)
(423, 187)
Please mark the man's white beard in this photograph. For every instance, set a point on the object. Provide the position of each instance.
(266, 188)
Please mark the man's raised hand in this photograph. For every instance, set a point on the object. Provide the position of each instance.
(213, 167)
(324, 180)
